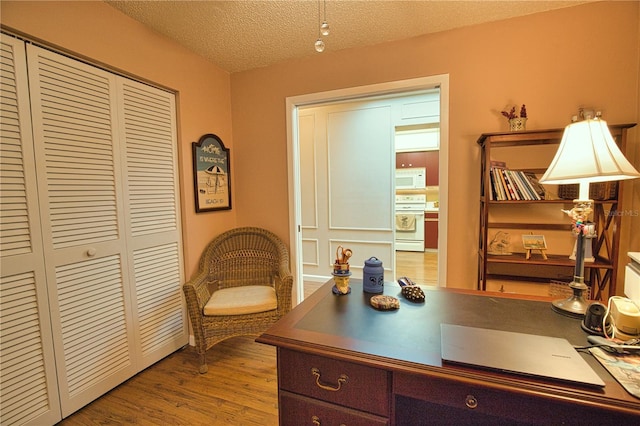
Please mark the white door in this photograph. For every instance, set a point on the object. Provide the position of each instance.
(83, 224)
(27, 366)
(308, 134)
(106, 158)
(151, 196)
(346, 174)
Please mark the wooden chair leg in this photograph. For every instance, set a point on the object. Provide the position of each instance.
(203, 364)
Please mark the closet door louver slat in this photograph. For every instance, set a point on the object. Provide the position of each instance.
(90, 238)
(77, 142)
(80, 179)
(152, 199)
(28, 383)
(150, 158)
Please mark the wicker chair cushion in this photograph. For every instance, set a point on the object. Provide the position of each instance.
(241, 300)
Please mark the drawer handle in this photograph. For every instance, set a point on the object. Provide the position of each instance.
(471, 401)
(316, 421)
(342, 379)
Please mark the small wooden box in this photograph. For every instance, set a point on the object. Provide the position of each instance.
(597, 191)
(561, 289)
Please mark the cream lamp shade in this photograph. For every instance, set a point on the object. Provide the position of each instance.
(588, 153)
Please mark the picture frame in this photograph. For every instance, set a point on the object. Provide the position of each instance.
(534, 242)
(211, 174)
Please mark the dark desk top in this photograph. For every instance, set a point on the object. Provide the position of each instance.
(408, 339)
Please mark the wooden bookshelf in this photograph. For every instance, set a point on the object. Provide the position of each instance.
(601, 274)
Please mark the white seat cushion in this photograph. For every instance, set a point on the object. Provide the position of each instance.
(242, 300)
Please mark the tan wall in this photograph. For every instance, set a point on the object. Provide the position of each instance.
(100, 33)
(553, 62)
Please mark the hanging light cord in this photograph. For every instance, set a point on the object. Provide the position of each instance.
(324, 27)
(319, 44)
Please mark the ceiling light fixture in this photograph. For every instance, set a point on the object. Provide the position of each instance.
(323, 29)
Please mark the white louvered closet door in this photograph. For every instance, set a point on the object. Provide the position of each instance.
(28, 384)
(83, 222)
(149, 157)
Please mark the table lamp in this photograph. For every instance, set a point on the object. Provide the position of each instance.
(587, 153)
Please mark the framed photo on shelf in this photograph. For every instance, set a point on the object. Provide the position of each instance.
(211, 178)
(534, 242)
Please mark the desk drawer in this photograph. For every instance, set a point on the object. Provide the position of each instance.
(298, 410)
(344, 383)
(421, 397)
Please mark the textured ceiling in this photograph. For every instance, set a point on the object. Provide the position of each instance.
(245, 34)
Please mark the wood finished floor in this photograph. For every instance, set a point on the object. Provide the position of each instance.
(422, 268)
(240, 388)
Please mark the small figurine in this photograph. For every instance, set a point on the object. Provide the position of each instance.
(580, 216)
(341, 271)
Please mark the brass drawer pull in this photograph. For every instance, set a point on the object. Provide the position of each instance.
(342, 379)
(316, 421)
(471, 401)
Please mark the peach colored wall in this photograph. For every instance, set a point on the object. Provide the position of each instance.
(554, 62)
(100, 33)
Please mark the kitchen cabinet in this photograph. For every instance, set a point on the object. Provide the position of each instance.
(431, 230)
(433, 168)
(427, 159)
(533, 149)
(411, 160)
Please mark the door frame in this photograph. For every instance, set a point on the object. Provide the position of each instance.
(361, 93)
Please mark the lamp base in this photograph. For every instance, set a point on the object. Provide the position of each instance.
(574, 306)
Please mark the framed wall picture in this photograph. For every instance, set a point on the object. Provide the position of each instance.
(211, 177)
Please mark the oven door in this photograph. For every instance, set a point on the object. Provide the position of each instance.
(409, 230)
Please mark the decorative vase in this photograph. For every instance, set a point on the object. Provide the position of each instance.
(518, 124)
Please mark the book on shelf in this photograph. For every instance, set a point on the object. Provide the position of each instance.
(535, 184)
(513, 185)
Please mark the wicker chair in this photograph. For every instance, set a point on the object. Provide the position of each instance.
(243, 285)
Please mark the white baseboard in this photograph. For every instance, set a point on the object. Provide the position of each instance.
(316, 278)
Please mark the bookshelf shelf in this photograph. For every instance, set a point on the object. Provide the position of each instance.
(552, 260)
(503, 214)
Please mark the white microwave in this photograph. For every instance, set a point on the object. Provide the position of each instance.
(411, 178)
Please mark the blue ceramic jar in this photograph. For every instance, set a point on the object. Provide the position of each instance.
(373, 276)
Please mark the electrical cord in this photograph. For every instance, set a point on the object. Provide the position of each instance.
(629, 347)
(606, 315)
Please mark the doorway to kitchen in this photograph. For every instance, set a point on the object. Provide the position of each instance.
(317, 197)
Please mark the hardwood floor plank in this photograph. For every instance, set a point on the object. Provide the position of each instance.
(421, 267)
(240, 388)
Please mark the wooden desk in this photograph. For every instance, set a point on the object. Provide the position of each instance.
(342, 362)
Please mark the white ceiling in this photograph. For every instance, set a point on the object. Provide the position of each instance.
(244, 34)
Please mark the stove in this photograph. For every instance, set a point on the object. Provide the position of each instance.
(409, 227)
